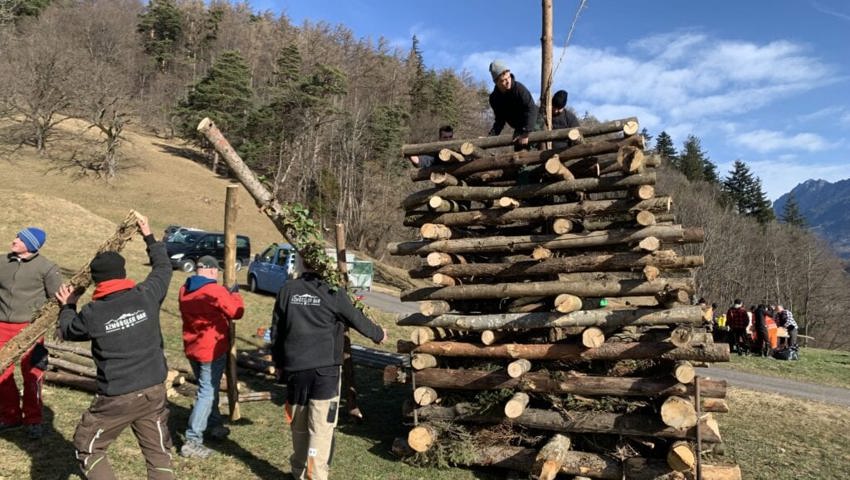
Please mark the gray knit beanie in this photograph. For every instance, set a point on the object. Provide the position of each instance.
(497, 68)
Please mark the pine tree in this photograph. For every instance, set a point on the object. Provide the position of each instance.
(745, 193)
(646, 136)
(422, 81)
(224, 95)
(161, 27)
(791, 213)
(692, 159)
(445, 105)
(664, 147)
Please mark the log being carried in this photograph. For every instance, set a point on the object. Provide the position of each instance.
(571, 307)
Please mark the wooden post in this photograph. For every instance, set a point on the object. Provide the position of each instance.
(698, 407)
(349, 384)
(230, 209)
(546, 64)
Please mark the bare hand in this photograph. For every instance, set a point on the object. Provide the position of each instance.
(521, 140)
(144, 226)
(66, 295)
(384, 339)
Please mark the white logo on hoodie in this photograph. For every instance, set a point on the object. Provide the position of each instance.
(305, 299)
(125, 321)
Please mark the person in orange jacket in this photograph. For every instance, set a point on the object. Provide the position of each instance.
(207, 309)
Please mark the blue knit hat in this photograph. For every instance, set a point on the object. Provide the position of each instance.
(33, 238)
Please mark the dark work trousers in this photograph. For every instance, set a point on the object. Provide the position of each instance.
(146, 412)
(792, 336)
(762, 341)
(312, 407)
(738, 340)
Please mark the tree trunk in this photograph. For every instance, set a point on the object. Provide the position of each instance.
(609, 351)
(504, 216)
(592, 262)
(504, 140)
(527, 243)
(546, 289)
(532, 157)
(480, 194)
(581, 318)
(85, 384)
(541, 382)
(574, 422)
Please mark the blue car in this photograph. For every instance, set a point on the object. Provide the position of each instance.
(272, 268)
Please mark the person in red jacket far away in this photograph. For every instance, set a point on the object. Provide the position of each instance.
(207, 309)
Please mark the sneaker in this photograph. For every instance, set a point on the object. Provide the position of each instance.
(36, 431)
(195, 450)
(219, 432)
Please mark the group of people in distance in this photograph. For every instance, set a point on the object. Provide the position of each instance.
(513, 105)
(122, 323)
(754, 330)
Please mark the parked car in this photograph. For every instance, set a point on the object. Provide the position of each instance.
(185, 247)
(280, 262)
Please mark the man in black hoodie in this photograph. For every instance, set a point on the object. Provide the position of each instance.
(122, 322)
(512, 104)
(308, 324)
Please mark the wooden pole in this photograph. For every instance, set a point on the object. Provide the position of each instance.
(698, 402)
(349, 384)
(230, 210)
(546, 63)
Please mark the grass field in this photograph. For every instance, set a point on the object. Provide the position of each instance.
(771, 437)
(827, 367)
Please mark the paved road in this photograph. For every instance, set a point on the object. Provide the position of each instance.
(389, 303)
(782, 386)
(809, 391)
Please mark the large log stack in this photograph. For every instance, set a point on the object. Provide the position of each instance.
(559, 333)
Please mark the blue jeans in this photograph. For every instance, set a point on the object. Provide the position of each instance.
(206, 402)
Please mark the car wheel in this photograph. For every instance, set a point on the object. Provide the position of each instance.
(252, 283)
(187, 266)
(238, 265)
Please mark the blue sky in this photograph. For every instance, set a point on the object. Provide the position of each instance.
(763, 81)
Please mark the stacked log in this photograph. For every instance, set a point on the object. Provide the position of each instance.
(560, 314)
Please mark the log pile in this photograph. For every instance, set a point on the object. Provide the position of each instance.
(558, 335)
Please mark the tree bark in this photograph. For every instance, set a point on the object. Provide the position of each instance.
(592, 262)
(77, 382)
(557, 351)
(520, 243)
(552, 288)
(481, 193)
(541, 382)
(532, 157)
(581, 318)
(587, 208)
(504, 140)
(574, 422)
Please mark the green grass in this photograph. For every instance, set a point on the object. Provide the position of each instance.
(826, 367)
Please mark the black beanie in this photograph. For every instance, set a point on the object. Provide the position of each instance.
(107, 266)
(559, 100)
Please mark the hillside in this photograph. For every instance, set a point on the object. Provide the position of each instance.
(156, 179)
(826, 207)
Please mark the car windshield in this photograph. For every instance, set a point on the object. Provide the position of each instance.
(184, 237)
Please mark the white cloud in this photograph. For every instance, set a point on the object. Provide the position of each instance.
(764, 141)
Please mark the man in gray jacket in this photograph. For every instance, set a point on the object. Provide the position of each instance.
(27, 280)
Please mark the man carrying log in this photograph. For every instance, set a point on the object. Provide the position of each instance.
(122, 322)
(207, 309)
(512, 104)
(27, 280)
(308, 324)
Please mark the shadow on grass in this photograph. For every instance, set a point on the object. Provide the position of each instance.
(261, 468)
(52, 456)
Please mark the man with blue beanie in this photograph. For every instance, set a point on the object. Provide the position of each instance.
(27, 280)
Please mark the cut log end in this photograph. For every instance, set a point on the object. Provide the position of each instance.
(681, 457)
(592, 337)
(421, 438)
(516, 405)
(425, 396)
(519, 367)
(678, 412)
(630, 127)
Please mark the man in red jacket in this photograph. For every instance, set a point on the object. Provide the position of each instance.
(207, 309)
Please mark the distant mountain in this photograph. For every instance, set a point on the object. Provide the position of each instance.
(826, 207)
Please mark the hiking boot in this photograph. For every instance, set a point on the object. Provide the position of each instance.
(8, 426)
(195, 450)
(36, 431)
(219, 432)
